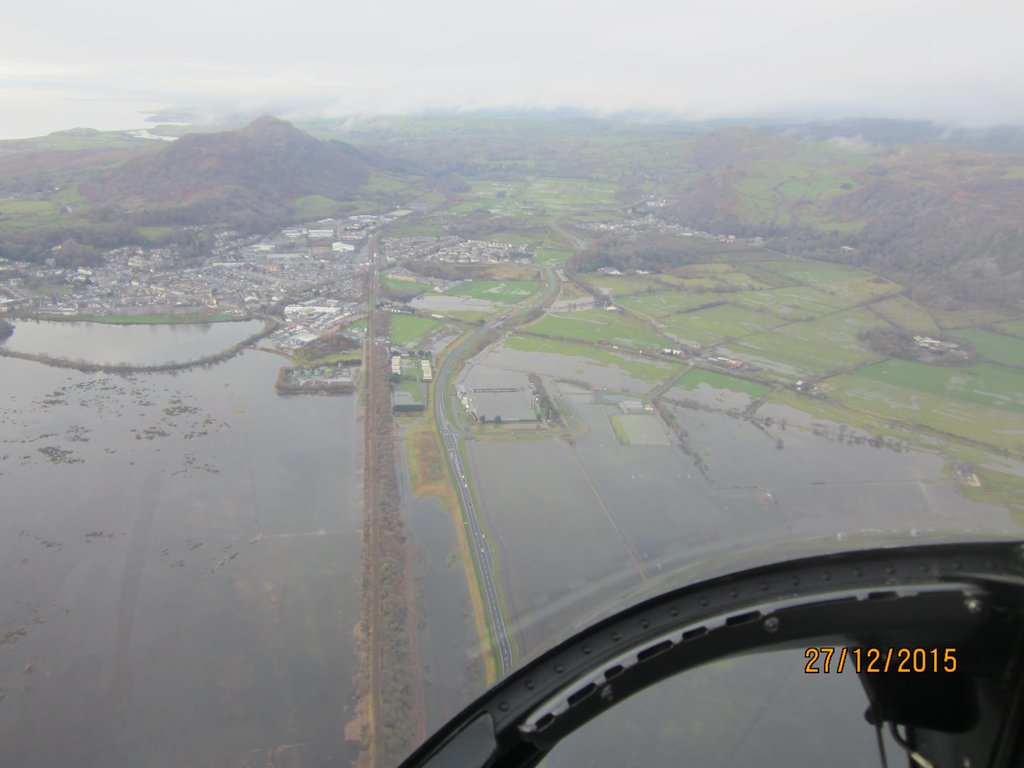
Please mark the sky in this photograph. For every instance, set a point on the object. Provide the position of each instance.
(65, 63)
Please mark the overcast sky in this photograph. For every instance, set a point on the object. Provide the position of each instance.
(75, 63)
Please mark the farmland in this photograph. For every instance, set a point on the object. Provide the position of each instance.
(994, 347)
(817, 347)
(695, 377)
(712, 325)
(980, 403)
(598, 325)
(647, 371)
(500, 291)
(665, 303)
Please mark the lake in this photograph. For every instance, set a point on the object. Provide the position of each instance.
(179, 559)
(111, 344)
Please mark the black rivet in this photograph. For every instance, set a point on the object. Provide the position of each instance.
(503, 706)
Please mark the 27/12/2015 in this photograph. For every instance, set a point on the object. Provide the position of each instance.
(825, 659)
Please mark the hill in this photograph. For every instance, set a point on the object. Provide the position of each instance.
(944, 220)
(223, 177)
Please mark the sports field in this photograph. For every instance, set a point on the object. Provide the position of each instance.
(408, 329)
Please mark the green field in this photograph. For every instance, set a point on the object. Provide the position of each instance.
(535, 198)
(627, 285)
(813, 272)
(649, 372)
(954, 412)
(906, 314)
(850, 292)
(408, 329)
(18, 214)
(712, 325)
(790, 303)
(500, 291)
(800, 350)
(1013, 327)
(970, 315)
(665, 303)
(407, 287)
(319, 206)
(412, 387)
(694, 377)
(724, 280)
(994, 347)
(985, 385)
(711, 268)
(599, 325)
(548, 255)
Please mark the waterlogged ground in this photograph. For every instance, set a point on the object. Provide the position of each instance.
(599, 514)
(179, 557)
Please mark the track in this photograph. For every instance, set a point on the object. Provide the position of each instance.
(372, 514)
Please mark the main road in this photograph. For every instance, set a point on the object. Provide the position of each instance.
(449, 438)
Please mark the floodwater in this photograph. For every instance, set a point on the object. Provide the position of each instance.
(740, 712)
(596, 519)
(559, 366)
(110, 344)
(434, 302)
(449, 647)
(180, 566)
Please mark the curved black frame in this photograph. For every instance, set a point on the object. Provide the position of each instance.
(967, 596)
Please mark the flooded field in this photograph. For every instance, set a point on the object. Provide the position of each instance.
(560, 552)
(443, 303)
(128, 344)
(604, 369)
(180, 561)
(449, 648)
(618, 503)
(747, 711)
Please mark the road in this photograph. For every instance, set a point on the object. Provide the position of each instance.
(449, 438)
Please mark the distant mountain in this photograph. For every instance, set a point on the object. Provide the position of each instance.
(946, 221)
(1003, 140)
(217, 177)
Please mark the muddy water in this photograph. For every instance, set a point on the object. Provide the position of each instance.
(179, 561)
